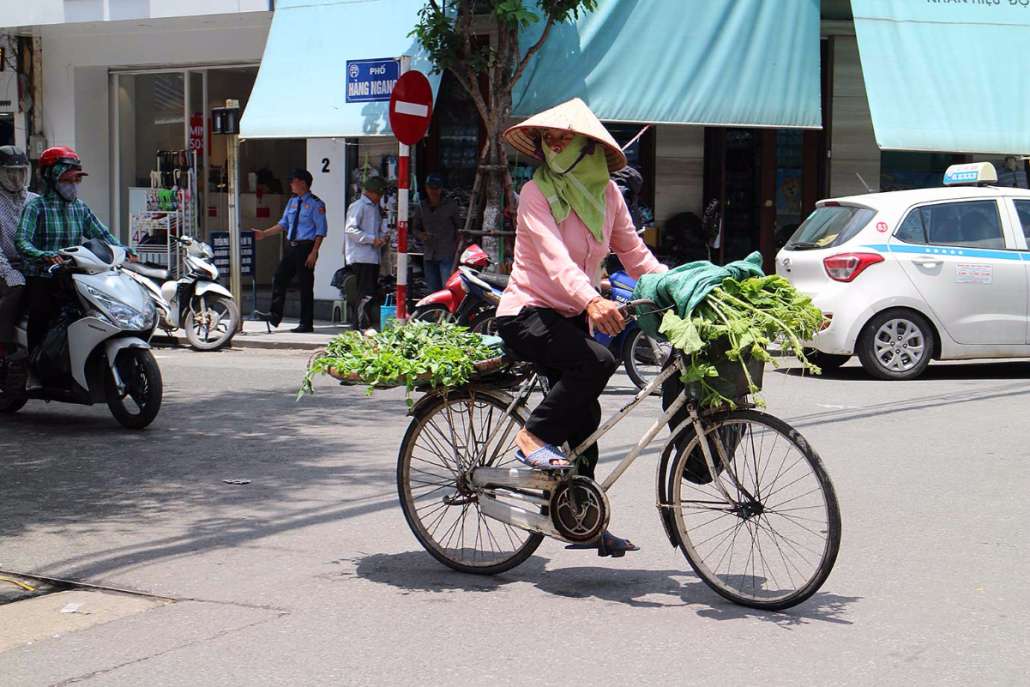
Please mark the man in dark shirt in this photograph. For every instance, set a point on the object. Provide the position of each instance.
(437, 225)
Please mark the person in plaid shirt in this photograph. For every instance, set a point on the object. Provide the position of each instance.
(55, 220)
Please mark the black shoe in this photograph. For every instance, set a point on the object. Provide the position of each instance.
(303, 330)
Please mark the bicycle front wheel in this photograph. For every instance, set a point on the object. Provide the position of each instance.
(445, 441)
(776, 545)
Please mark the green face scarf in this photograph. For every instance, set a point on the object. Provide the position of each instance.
(580, 189)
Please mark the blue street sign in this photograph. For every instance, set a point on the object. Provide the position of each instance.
(371, 81)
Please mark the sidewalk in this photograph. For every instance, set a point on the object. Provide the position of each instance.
(256, 335)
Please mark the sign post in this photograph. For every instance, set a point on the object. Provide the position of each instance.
(411, 108)
(227, 121)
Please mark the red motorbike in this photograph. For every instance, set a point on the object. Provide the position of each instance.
(469, 297)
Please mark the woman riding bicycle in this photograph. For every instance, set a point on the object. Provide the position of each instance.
(570, 217)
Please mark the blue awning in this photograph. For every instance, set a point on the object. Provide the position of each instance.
(719, 62)
(300, 90)
(946, 76)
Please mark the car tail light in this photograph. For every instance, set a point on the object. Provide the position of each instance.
(846, 267)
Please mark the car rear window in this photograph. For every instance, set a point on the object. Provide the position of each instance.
(830, 226)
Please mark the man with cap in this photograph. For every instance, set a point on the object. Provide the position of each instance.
(437, 225)
(56, 220)
(364, 236)
(304, 222)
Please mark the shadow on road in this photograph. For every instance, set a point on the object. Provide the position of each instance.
(63, 467)
(1014, 370)
(416, 571)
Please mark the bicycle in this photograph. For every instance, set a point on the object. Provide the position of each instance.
(475, 512)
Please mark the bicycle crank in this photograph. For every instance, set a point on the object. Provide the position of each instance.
(579, 509)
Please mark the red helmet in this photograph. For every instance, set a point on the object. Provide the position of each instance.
(57, 155)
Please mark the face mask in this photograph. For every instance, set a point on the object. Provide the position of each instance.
(68, 190)
(14, 179)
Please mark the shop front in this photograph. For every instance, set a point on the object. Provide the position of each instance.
(170, 172)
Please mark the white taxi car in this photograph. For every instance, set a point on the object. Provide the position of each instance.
(907, 277)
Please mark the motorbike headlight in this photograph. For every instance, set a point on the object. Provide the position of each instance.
(206, 251)
(122, 315)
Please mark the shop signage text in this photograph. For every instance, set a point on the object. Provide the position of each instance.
(220, 246)
(371, 80)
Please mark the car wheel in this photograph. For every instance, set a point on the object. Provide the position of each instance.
(896, 345)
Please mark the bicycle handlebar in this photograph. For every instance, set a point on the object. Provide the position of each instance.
(634, 305)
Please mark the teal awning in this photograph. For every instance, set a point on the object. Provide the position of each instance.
(946, 76)
(300, 90)
(719, 62)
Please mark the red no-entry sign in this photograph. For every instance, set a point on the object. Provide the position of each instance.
(411, 107)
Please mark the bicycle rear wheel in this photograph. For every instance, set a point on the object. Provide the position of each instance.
(444, 442)
(777, 546)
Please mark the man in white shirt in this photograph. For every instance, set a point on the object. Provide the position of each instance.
(364, 238)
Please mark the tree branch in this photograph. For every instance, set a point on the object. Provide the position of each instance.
(435, 7)
(534, 49)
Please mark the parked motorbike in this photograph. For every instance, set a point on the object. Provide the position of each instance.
(97, 349)
(469, 297)
(196, 303)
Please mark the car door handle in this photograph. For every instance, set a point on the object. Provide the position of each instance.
(927, 262)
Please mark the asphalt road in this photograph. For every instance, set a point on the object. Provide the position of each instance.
(308, 574)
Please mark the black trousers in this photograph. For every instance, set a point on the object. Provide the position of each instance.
(578, 369)
(11, 298)
(367, 274)
(43, 300)
(292, 265)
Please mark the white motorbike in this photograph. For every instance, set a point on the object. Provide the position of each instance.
(97, 349)
(196, 303)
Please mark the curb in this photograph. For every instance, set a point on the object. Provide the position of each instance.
(242, 342)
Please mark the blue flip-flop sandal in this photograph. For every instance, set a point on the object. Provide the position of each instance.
(544, 458)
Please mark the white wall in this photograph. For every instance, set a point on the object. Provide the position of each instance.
(679, 170)
(331, 187)
(42, 12)
(76, 59)
(853, 146)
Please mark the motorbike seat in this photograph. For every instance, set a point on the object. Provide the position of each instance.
(148, 270)
(498, 281)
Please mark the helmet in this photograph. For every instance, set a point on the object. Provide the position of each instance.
(59, 155)
(14, 169)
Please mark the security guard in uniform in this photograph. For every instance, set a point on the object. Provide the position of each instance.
(304, 222)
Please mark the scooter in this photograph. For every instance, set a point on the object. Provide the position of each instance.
(196, 303)
(469, 297)
(97, 349)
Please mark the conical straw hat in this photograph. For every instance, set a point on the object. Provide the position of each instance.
(574, 116)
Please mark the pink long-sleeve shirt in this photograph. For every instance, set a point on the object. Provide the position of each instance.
(558, 265)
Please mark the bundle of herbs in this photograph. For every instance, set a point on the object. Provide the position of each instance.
(737, 322)
(416, 354)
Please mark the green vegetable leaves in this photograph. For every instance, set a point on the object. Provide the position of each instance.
(438, 355)
(681, 333)
(736, 323)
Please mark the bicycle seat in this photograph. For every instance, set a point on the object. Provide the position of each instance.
(498, 281)
(148, 270)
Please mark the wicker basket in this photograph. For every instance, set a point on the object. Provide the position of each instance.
(483, 368)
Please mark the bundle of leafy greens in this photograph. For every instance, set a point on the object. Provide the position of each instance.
(737, 322)
(418, 353)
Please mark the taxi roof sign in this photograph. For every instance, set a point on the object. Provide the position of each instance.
(973, 174)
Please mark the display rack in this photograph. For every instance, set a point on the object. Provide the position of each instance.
(171, 211)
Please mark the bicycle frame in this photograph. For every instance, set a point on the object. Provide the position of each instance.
(495, 477)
